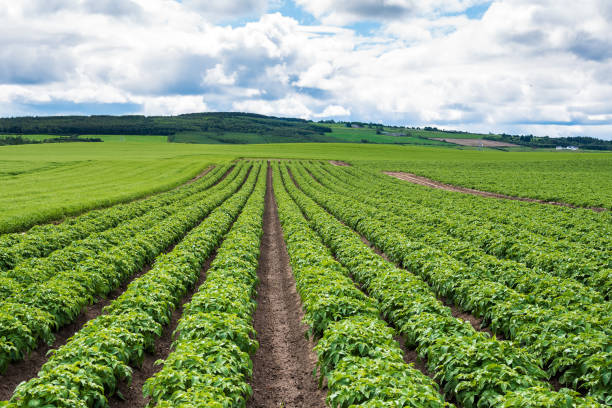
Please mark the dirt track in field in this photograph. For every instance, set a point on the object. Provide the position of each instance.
(284, 363)
(424, 181)
(197, 177)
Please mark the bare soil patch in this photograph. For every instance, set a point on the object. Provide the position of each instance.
(475, 142)
(283, 366)
(339, 163)
(424, 181)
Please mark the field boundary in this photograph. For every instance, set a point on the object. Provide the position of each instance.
(424, 181)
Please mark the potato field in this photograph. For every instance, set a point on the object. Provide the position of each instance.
(306, 283)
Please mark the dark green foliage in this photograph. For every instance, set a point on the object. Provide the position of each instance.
(582, 142)
(215, 125)
(19, 140)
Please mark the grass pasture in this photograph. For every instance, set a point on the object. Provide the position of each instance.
(41, 183)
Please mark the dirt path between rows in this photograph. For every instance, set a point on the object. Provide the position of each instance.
(283, 366)
(132, 393)
(28, 368)
(424, 181)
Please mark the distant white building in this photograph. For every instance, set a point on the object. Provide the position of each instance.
(567, 148)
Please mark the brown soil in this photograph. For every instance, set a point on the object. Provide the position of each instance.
(424, 181)
(28, 368)
(476, 322)
(475, 142)
(410, 356)
(132, 393)
(283, 366)
(374, 248)
(339, 163)
(455, 310)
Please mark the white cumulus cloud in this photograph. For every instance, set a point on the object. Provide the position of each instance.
(525, 67)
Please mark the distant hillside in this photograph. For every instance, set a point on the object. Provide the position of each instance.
(545, 142)
(217, 127)
(245, 128)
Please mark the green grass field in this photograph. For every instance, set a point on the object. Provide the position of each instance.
(107, 138)
(359, 135)
(40, 183)
(339, 134)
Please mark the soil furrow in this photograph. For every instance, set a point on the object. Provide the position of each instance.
(197, 177)
(283, 366)
(29, 367)
(424, 181)
(409, 355)
(132, 394)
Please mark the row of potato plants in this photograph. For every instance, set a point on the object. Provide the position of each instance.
(476, 369)
(210, 365)
(577, 225)
(570, 344)
(544, 289)
(41, 240)
(558, 256)
(32, 315)
(88, 369)
(579, 229)
(356, 351)
(563, 298)
(35, 271)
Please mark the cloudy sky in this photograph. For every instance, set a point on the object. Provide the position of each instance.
(520, 66)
